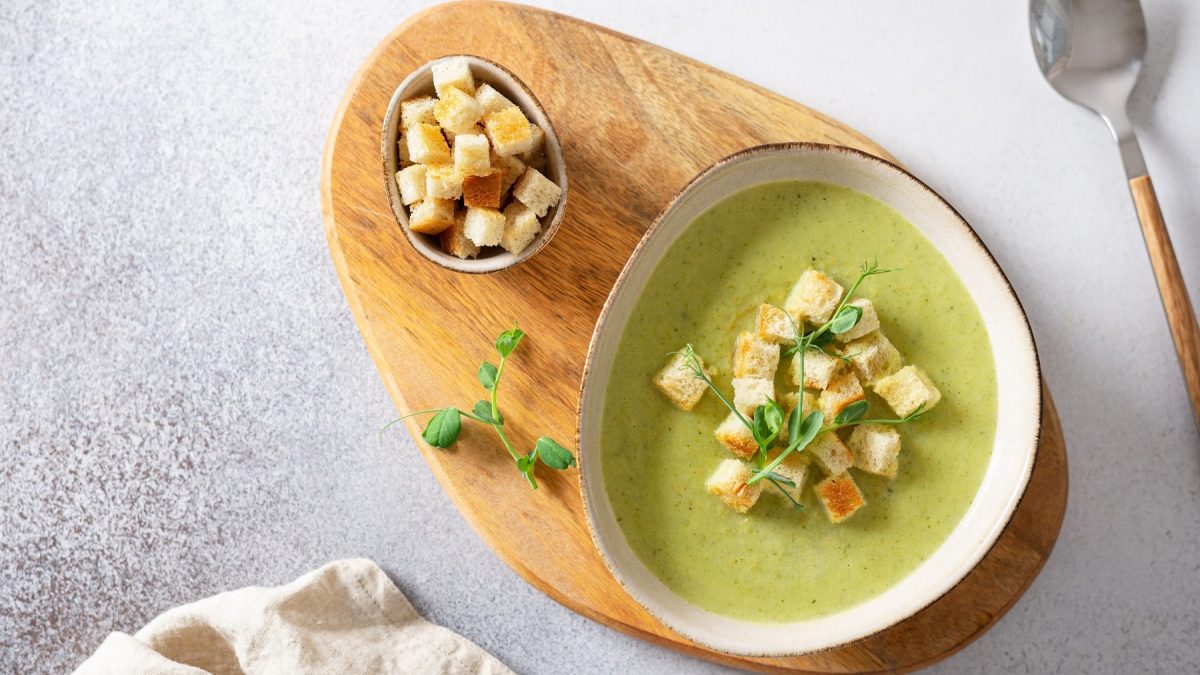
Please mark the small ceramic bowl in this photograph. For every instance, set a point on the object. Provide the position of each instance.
(1018, 379)
(420, 83)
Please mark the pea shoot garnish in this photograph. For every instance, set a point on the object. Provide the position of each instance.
(766, 424)
(444, 427)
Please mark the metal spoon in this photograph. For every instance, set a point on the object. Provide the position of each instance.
(1091, 51)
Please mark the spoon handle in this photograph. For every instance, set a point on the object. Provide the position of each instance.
(1178, 306)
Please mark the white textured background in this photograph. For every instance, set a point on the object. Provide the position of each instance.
(186, 406)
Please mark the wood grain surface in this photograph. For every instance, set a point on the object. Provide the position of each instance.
(636, 123)
(1180, 315)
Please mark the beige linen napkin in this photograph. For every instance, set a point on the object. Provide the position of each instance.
(346, 617)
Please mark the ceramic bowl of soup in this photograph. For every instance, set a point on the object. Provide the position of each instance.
(776, 581)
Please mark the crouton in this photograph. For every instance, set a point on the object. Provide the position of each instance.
(472, 155)
(536, 154)
(678, 382)
(869, 321)
(431, 216)
(795, 468)
(511, 169)
(819, 369)
(840, 496)
(753, 357)
(792, 398)
(484, 226)
(454, 238)
(457, 111)
(813, 298)
(843, 390)
(453, 74)
(509, 131)
(442, 181)
(728, 483)
(876, 449)
(482, 190)
(520, 227)
(873, 357)
(536, 191)
(830, 453)
(751, 392)
(402, 152)
(774, 325)
(736, 436)
(411, 181)
(491, 100)
(417, 111)
(426, 145)
(908, 389)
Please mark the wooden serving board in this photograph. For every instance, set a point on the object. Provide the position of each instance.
(636, 123)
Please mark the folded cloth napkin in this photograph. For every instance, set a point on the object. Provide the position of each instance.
(346, 617)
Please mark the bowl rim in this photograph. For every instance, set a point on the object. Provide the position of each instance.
(389, 156)
(997, 530)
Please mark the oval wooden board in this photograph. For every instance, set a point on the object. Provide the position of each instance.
(636, 122)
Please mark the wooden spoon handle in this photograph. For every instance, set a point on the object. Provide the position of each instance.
(1180, 315)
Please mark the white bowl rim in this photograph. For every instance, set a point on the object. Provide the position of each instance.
(592, 481)
(514, 87)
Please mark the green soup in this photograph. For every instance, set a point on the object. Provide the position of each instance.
(774, 563)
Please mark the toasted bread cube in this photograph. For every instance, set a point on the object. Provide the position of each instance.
(453, 74)
(417, 111)
(678, 382)
(509, 131)
(830, 453)
(511, 169)
(876, 449)
(844, 389)
(813, 298)
(873, 357)
(484, 226)
(454, 238)
(482, 190)
(402, 152)
(754, 357)
(728, 483)
(774, 325)
(819, 369)
(795, 468)
(537, 148)
(751, 392)
(521, 226)
(807, 398)
(736, 436)
(442, 181)
(457, 111)
(536, 191)
(411, 181)
(426, 145)
(869, 321)
(431, 216)
(472, 155)
(491, 100)
(908, 389)
(840, 496)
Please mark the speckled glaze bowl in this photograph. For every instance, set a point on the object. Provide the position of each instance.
(1018, 380)
(420, 83)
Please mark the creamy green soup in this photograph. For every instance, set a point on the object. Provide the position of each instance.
(774, 563)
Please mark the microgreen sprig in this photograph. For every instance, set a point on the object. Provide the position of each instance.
(444, 427)
(767, 421)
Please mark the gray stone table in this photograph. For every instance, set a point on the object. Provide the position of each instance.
(187, 407)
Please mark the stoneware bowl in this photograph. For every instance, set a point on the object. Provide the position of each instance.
(1018, 379)
(420, 83)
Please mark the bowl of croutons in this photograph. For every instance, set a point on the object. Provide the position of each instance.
(472, 166)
